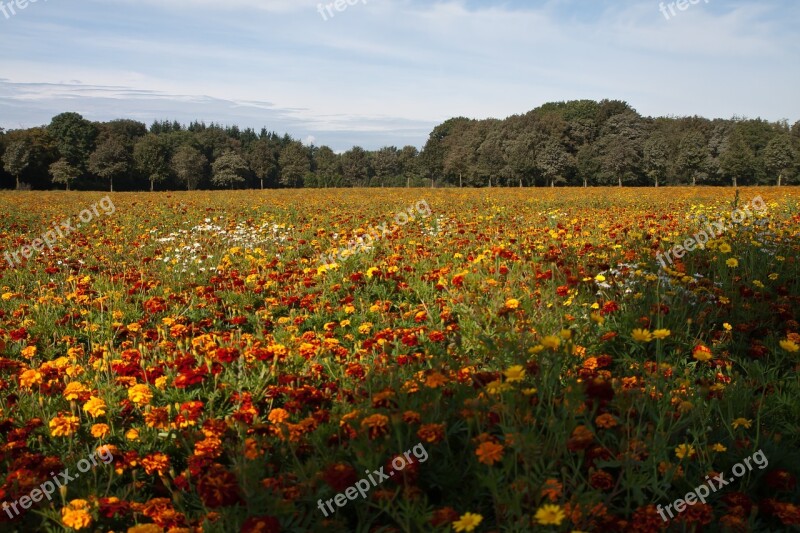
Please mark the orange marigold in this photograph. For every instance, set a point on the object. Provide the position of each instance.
(431, 433)
(376, 424)
(489, 453)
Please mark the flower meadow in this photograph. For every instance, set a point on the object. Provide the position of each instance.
(558, 376)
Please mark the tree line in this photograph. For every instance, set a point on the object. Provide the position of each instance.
(576, 143)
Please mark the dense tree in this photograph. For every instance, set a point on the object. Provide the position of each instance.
(736, 159)
(328, 169)
(74, 137)
(579, 142)
(656, 158)
(385, 164)
(229, 169)
(779, 156)
(693, 155)
(16, 159)
(110, 159)
(262, 156)
(295, 163)
(63, 173)
(553, 161)
(355, 167)
(189, 165)
(621, 148)
(152, 158)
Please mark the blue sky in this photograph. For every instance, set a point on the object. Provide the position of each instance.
(384, 72)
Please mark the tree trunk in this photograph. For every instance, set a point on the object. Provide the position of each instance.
(734, 181)
(620, 181)
(262, 184)
(459, 180)
(152, 185)
(520, 183)
(17, 182)
(585, 182)
(552, 183)
(780, 175)
(111, 180)
(694, 181)
(656, 182)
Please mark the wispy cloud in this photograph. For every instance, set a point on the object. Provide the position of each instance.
(385, 71)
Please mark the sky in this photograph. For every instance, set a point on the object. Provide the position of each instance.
(385, 72)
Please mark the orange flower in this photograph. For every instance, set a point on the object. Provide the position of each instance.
(377, 425)
(489, 453)
(76, 515)
(435, 380)
(95, 407)
(580, 439)
(606, 421)
(155, 462)
(431, 433)
(278, 416)
(29, 378)
(64, 426)
(552, 489)
(140, 394)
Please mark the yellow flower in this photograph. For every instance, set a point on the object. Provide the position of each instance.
(719, 448)
(95, 406)
(512, 303)
(515, 373)
(497, 387)
(467, 522)
(725, 248)
(597, 318)
(100, 431)
(684, 450)
(552, 342)
(732, 262)
(661, 334)
(28, 352)
(742, 422)
(64, 426)
(29, 378)
(550, 515)
(140, 394)
(76, 515)
(132, 434)
(600, 278)
(727, 326)
(641, 335)
(790, 346)
(161, 382)
(74, 390)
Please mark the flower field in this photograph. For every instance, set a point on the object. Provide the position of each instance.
(558, 377)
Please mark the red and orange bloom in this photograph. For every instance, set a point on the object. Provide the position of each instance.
(489, 453)
(64, 426)
(431, 433)
(377, 425)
